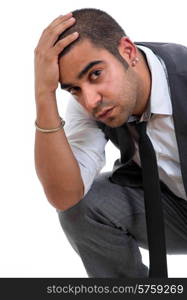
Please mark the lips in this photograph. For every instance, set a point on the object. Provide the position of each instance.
(104, 113)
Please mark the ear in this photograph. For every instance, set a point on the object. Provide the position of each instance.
(127, 49)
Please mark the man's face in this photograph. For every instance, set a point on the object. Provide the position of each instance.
(100, 83)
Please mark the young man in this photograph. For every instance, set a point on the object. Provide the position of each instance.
(113, 82)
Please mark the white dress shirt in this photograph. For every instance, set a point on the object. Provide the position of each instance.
(88, 142)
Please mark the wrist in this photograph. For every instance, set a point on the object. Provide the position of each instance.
(45, 101)
(44, 94)
(47, 114)
(48, 121)
(51, 130)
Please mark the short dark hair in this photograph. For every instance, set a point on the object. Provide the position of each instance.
(99, 28)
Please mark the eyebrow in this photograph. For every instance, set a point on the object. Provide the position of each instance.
(82, 73)
(88, 67)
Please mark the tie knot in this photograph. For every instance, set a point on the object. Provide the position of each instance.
(141, 128)
(137, 130)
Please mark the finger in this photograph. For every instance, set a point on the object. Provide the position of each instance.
(57, 30)
(60, 28)
(60, 19)
(59, 47)
(51, 34)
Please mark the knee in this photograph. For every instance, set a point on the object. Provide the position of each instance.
(71, 219)
(74, 220)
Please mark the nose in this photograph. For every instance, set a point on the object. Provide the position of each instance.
(91, 98)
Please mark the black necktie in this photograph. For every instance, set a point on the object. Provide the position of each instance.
(153, 205)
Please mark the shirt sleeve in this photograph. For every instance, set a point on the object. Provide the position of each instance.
(86, 140)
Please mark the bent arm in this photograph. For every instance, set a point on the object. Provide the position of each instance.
(56, 166)
(68, 161)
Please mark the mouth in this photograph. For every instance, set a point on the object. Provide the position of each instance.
(105, 113)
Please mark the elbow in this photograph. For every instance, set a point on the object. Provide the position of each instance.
(63, 200)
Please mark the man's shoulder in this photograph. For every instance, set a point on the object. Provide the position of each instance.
(173, 54)
(162, 45)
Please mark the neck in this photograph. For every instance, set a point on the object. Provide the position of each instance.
(144, 84)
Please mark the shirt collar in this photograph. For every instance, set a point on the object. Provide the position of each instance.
(160, 102)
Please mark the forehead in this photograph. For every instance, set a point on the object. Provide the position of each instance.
(79, 56)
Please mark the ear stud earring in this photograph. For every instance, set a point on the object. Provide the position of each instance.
(135, 61)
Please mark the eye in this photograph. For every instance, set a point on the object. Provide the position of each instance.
(95, 74)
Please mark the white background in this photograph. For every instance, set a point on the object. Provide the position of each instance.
(32, 241)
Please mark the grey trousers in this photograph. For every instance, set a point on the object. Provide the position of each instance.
(107, 227)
